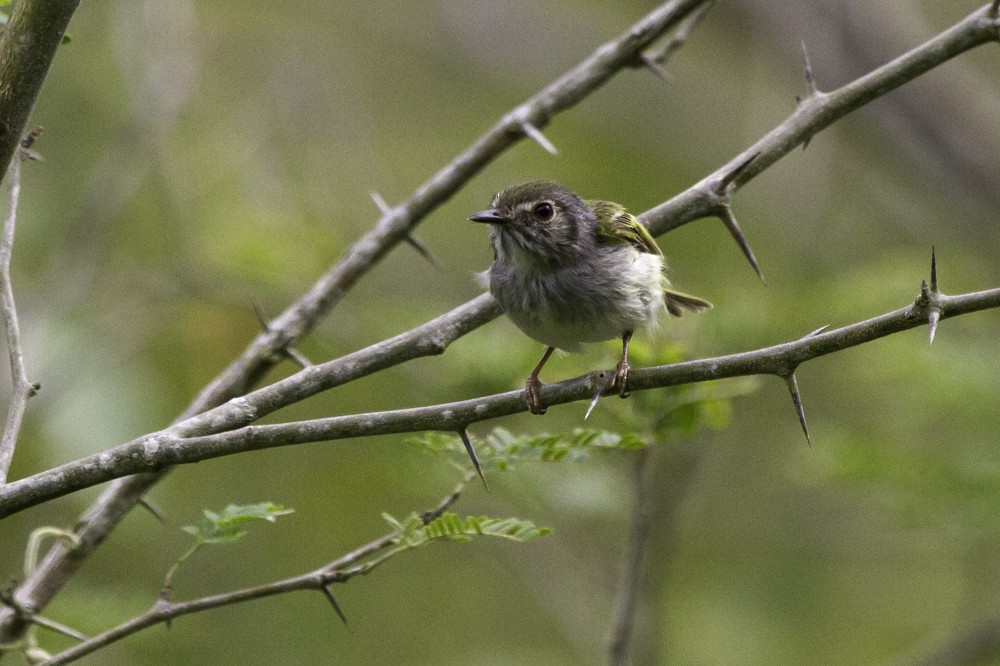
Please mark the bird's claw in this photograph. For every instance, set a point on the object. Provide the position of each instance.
(620, 381)
(531, 398)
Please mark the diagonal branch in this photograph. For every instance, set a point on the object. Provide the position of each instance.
(396, 223)
(28, 46)
(393, 227)
(153, 452)
(818, 111)
(341, 570)
(687, 206)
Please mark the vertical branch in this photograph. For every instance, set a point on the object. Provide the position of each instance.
(634, 570)
(21, 388)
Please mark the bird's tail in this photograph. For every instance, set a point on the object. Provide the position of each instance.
(677, 302)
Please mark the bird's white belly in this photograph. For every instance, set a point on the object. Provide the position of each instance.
(568, 307)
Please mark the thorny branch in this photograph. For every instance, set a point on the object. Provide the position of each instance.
(153, 452)
(357, 562)
(704, 198)
(393, 227)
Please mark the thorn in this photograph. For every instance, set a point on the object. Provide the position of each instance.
(793, 388)
(726, 215)
(994, 11)
(386, 209)
(421, 249)
(805, 142)
(463, 433)
(299, 358)
(815, 333)
(925, 295)
(730, 177)
(934, 286)
(333, 602)
(536, 135)
(289, 352)
(151, 506)
(593, 403)
(261, 319)
(932, 321)
(380, 202)
(653, 64)
(807, 68)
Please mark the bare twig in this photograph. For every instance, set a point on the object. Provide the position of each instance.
(341, 570)
(21, 387)
(158, 450)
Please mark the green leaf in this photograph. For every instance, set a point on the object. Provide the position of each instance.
(504, 449)
(225, 527)
(413, 532)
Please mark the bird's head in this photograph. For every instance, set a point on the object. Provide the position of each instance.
(541, 223)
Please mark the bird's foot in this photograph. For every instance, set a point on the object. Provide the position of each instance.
(620, 381)
(531, 398)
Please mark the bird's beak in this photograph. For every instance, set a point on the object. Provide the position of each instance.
(490, 215)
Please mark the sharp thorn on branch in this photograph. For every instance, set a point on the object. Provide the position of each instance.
(815, 333)
(58, 627)
(934, 284)
(471, 450)
(652, 64)
(994, 11)
(593, 402)
(156, 511)
(421, 249)
(933, 317)
(793, 389)
(383, 207)
(261, 319)
(725, 214)
(333, 602)
(298, 357)
(536, 135)
(734, 173)
(808, 70)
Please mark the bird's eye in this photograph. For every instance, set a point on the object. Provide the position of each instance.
(544, 210)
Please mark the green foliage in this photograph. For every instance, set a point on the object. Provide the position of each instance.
(412, 531)
(502, 449)
(225, 527)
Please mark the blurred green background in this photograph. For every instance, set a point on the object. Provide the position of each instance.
(200, 156)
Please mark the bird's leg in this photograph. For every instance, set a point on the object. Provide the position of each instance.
(621, 374)
(532, 385)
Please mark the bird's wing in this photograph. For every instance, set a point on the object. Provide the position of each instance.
(617, 225)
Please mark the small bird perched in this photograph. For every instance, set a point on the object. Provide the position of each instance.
(568, 271)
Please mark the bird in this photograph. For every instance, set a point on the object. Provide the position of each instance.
(569, 271)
